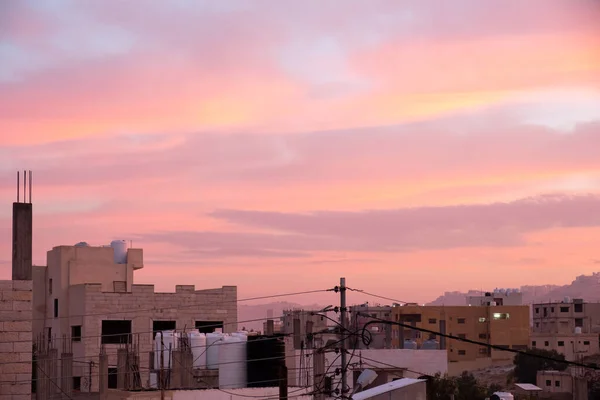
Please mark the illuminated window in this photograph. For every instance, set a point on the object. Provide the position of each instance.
(501, 315)
(482, 319)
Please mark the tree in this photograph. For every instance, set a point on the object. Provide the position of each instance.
(529, 363)
(468, 388)
(440, 387)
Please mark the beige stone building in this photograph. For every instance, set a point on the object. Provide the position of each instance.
(299, 322)
(506, 326)
(87, 295)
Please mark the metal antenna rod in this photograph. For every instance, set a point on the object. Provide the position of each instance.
(30, 185)
(18, 185)
(25, 186)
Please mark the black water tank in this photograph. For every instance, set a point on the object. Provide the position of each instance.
(266, 356)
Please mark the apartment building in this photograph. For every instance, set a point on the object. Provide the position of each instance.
(505, 326)
(570, 327)
(499, 297)
(381, 333)
(299, 323)
(87, 295)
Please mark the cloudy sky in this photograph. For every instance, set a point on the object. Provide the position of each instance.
(413, 147)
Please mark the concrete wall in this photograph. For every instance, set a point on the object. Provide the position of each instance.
(555, 381)
(15, 339)
(213, 394)
(143, 306)
(572, 346)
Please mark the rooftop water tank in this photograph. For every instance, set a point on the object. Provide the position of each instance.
(232, 363)
(82, 244)
(198, 345)
(578, 330)
(430, 345)
(266, 356)
(120, 249)
(164, 343)
(567, 299)
(213, 340)
(410, 344)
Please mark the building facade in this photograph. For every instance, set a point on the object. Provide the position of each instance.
(499, 297)
(299, 323)
(505, 326)
(87, 295)
(381, 333)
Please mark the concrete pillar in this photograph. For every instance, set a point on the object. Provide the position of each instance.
(270, 327)
(122, 371)
(188, 370)
(177, 370)
(66, 364)
(388, 336)
(318, 374)
(41, 384)
(103, 376)
(53, 384)
(22, 248)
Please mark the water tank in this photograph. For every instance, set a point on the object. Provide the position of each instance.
(492, 303)
(164, 343)
(578, 330)
(430, 345)
(213, 340)
(198, 345)
(153, 380)
(504, 396)
(120, 249)
(567, 299)
(266, 356)
(82, 244)
(410, 344)
(232, 363)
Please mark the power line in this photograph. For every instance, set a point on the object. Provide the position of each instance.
(378, 296)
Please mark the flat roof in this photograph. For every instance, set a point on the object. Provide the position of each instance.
(528, 387)
(386, 387)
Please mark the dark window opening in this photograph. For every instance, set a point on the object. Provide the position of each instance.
(545, 312)
(209, 326)
(579, 322)
(50, 286)
(76, 333)
(461, 320)
(116, 331)
(561, 343)
(564, 309)
(112, 378)
(548, 382)
(578, 307)
(551, 309)
(586, 342)
(533, 343)
(462, 352)
(159, 326)
(55, 308)
(432, 320)
(462, 335)
(557, 383)
(77, 383)
(483, 336)
(537, 310)
(546, 343)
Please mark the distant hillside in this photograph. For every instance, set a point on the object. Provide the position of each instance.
(585, 287)
(253, 312)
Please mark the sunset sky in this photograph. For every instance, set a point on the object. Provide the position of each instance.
(414, 147)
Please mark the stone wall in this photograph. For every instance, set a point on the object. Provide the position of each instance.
(15, 339)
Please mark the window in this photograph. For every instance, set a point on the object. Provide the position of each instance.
(483, 350)
(548, 382)
(461, 320)
(501, 315)
(564, 309)
(209, 326)
(55, 308)
(116, 331)
(77, 383)
(561, 343)
(579, 322)
(537, 324)
(551, 309)
(537, 310)
(50, 286)
(76, 333)
(462, 352)
(578, 307)
(432, 320)
(159, 326)
(482, 319)
(462, 336)
(557, 383)
(120, 286)
(586, 342)
(533, 343)
(112, 378)
(545, 312)
(483, 336)
(546, 343)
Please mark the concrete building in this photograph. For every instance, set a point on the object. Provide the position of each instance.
(572, 346)
(88, 295)
(565, 316)
(299, 323)
(499, 297)
(563, 382)
(381, 333)
(505, 326)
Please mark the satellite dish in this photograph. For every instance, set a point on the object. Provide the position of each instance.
(365, 379)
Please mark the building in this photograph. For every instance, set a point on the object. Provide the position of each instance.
(300, 323)
(565, 382)
(381, 333)
(88, 296)
(499, 297)
(573, 346)
(505, 326)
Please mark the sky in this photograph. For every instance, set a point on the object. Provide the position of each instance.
(413, 147)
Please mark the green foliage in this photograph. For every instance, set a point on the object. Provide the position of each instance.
(463, 387)
(527, 365)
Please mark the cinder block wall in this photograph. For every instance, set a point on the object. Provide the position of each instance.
(15, 339)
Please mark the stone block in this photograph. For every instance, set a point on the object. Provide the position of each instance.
(22, 305)
(25, 336)
(6, 347)
(6, 358)
(22, 296)
(8, 337)
(6, 305)
(17, 326)
(21, 368)
(6, 285)
(23, 347)
(23, 285)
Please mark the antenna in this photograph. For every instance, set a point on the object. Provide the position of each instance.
(18, 186)
(30, 185)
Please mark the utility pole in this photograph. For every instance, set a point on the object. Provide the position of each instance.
(283, 383)
(343, 327)
(162, 368)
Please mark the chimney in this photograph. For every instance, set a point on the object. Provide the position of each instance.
(22, 232)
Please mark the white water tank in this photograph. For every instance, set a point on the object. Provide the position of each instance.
(410, 344)
(578, 330)
(567, 299)
(505, 395)
(232, 363)
(213, 341)
(120, 249)
(153, 380)
(198, 345)
(164, 343)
